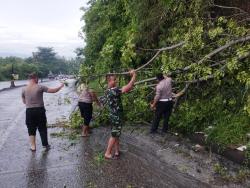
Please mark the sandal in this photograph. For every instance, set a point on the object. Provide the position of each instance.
(33, 150)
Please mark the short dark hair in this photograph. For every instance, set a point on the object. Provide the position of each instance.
(109, 75)
(32, 76)
(159, 76)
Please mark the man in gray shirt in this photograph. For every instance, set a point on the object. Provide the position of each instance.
(163, 102)
(32, 96)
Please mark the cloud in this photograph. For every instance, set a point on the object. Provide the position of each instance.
(25, 28)
(25, 41)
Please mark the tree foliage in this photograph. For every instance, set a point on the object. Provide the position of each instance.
(214, 59)
(44, 55)
(42, 61)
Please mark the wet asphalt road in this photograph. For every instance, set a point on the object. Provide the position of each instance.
(6, 84)
(74, 163)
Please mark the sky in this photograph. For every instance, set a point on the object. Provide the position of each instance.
(27, 24)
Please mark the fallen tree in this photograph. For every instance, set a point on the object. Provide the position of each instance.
(209, 61)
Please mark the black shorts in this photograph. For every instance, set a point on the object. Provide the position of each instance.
(86, 110)
(35, 118)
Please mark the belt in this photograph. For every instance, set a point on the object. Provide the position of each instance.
(165, 100)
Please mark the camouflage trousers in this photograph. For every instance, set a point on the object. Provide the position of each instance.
(116, 125)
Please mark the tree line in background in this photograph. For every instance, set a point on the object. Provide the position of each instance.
(42, 62)
(211, 64)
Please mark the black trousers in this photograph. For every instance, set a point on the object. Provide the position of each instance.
(36, 119)
(162, 109)
(86, 110)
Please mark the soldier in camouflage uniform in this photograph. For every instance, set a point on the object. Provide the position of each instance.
(114, 103)
(113, 100)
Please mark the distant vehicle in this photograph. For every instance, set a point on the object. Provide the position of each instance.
(71, 76)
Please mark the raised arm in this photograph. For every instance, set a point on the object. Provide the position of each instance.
(54, 90)
(130, 85)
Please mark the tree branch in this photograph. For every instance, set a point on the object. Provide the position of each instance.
(211, 54)
(146, 80)
(139, 68)
(163, 49)
(227, 7)
(200, 79)
(208, 56)
(159, 50)
(156, 55)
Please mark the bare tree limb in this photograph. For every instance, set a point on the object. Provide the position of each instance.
(151, 85)
(146, 80)
(155, 56)
(214, 52)
(159, 50)
(163, 49)
(246, 19)
(211, 54)
(205, 78)
(218, 63)
(139, 68)
(208, 56)
(201, 79)
(227, 7)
